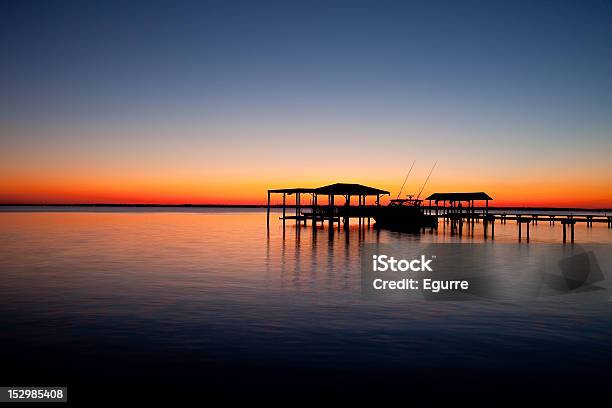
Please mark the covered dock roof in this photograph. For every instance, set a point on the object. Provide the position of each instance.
(292, 190)
(336, 189)
(349, 189)
(476, 196)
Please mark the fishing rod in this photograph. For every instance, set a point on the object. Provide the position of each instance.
(404, 183)
(426, 180)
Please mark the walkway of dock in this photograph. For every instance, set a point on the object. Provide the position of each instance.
(522, 218)
(456, 220)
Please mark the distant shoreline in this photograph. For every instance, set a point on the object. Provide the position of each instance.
(514, 208)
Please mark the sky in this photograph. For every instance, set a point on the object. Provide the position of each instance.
(215, 102)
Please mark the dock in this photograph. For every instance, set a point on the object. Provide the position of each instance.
(333, 203)
(462, 208)
(324, 206)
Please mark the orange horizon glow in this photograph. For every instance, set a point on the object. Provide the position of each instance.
(255, 193)
(155, 170)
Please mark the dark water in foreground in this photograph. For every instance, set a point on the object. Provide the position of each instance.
(158, 301)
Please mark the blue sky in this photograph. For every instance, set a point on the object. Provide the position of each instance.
(124, 58)
(376, 73)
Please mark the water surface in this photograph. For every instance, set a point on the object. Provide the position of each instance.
(210, 297)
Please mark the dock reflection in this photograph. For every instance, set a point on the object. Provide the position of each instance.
(311, 253)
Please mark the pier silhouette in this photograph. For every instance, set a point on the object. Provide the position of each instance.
(461, 210)
(331, 212)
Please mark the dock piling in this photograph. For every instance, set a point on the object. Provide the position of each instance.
(284, 207)
(268, 212)
(569, 221)
(528, 231)
(520, 221)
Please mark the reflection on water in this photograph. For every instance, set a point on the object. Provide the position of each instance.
(210, 292)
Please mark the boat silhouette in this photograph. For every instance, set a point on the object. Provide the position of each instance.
(404, 214)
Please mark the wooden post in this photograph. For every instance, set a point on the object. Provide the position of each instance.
(445, 212)
(528, 230)
(369, 213)
(569, 221)
(361, 218)
(361, 214)
(331, 211)
(284, 202)
(346, 211)
(268, 213)
(520, 230)
(306, 218)
(471, 209)
(314, 210)
(299, 208)
(359, 211)
(339, 223)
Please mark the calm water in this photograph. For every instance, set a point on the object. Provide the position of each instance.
(208, 298)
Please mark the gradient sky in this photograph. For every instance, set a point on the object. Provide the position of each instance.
(214, 102)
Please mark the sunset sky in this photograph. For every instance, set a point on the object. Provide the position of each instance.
(215, 102)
